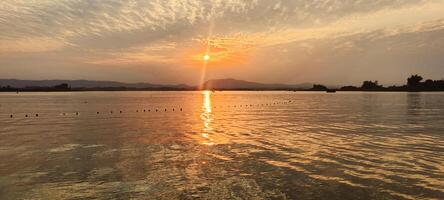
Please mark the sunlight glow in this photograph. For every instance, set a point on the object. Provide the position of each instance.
(206, 57)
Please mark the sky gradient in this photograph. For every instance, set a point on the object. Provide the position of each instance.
(335, 42)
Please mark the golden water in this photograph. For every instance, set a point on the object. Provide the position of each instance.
(222, 145)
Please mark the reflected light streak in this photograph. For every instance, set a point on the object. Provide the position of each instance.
(202, 76)
(207, 118)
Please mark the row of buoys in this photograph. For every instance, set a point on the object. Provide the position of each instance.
(252, 105)
(144, 110)
(26, 115)
(173, 109)
(112, 112)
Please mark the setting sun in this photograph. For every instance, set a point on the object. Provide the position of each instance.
(206, 57)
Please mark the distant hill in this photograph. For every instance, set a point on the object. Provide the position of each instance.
(233, 84)
(415, 83)
(82, 84)
(216, 84)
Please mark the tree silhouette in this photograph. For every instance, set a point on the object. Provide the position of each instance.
(414, 82)
(370, 85)
(318, 87)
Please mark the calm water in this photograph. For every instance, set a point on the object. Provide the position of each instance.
(222, 145)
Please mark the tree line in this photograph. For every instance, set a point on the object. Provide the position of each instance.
(414, 83)
(60, 87)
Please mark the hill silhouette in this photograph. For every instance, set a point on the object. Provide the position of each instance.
(234, 84)
(413, 83)
(89, 85)
(16, 83)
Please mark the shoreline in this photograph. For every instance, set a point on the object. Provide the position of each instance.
(222, 90)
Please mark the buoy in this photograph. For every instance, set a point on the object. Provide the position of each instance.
(97, 112)
(165, 109)
(149, 110)
(144, 110)
(11, 116)
(26, 115)
(157, 110)
(173, 109)
(120, 111)
(36, 115)
(64, 113)
(111, 112)
(77, 113)
(180, 109)
(137, 110)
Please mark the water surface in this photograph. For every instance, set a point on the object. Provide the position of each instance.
(221, 145)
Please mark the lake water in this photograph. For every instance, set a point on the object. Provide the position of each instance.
(221, 145)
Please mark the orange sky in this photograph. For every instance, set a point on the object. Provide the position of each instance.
(280, 41)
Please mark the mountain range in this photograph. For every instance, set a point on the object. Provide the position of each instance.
(233, 84)
(215, 84)
(16, 83)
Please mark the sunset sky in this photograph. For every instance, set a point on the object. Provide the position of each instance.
(271, 41)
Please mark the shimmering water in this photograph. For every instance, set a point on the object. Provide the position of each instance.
(222, 145)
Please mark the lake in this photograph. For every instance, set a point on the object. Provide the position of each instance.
(221, 145)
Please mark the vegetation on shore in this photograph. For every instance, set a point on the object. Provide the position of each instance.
(64, 87)
(414, 83)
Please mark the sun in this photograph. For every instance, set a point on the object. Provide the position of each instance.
(206, 57)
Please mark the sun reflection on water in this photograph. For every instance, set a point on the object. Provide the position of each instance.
(207, 118)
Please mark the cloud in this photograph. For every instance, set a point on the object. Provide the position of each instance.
(95, 23)
(32, 44)
(175, 33)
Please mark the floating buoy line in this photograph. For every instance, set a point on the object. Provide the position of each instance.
(152, 110)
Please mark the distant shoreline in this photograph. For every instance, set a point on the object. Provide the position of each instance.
(414, 83)
(191, 90)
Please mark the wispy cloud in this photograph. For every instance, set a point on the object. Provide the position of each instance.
(177, 32)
